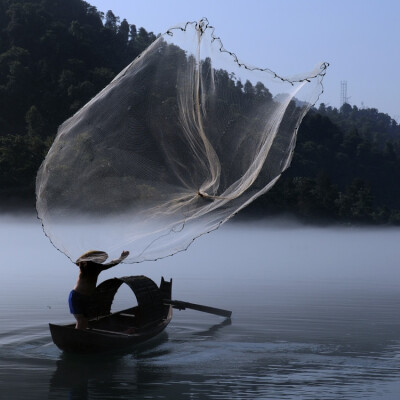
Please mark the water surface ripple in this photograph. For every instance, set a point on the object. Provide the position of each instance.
(315, 316)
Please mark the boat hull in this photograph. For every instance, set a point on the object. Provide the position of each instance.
(113, 331)
(72, 340)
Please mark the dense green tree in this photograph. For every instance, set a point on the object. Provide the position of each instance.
(34, 122)
(123, 32)
(111, 21)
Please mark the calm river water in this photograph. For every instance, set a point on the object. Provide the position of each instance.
(315, 316)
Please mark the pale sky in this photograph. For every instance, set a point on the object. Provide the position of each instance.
(359, 38)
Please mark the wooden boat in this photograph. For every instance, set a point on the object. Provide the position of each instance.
(112, 331)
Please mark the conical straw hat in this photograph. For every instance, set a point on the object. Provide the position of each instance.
(96, 256)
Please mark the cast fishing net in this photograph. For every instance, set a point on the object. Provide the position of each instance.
(182, 139)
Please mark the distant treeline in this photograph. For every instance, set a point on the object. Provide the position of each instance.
(55, 55)
(346, 167)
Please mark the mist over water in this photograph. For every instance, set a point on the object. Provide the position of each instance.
(315, 316)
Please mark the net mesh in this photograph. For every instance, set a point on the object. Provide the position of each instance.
(182, 139)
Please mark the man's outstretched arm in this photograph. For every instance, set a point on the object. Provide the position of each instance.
(115, 262)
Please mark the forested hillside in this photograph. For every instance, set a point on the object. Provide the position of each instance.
(346, 167)
(55, 55)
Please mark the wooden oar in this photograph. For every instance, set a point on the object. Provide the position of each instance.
(182, 305)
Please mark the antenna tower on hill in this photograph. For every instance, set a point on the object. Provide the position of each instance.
(343, 93)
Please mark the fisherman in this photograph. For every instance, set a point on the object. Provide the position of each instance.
(90, 265)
